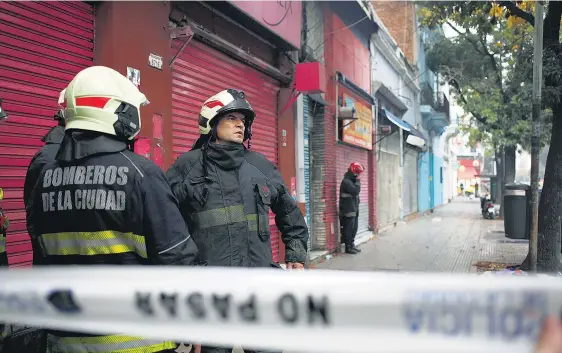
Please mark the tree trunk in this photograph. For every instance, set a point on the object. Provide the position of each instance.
(499, 177)
(550, 204)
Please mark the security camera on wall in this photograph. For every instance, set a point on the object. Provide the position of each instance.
(347, 113)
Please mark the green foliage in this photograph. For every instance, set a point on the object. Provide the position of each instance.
(488, 64)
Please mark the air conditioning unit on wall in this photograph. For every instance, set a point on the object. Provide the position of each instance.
(347, 113)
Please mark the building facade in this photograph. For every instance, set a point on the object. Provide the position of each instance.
(335, 142)
(179, 54)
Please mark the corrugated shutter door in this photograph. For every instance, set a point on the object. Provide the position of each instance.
(410, 184)
(363, 225)
(307, 168)
(388, 188)
(201, 71)
(412, 159)
(345, 155)
(42, 46)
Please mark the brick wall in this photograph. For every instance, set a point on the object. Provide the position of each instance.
(342, 52)
(399, 18)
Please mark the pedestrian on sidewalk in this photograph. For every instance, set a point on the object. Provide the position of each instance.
(349, 206)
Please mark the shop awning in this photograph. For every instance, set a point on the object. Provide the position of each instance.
(415, 137)
(396, 120)
(414, 131)
(380, 88)
(317, 97)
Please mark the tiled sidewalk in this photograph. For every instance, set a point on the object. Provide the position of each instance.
(449, 240)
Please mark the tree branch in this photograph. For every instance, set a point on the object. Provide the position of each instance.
(466, 36)
(481, 119)
(478, 117)
(484, 52)
(490, 55)
(516, 11)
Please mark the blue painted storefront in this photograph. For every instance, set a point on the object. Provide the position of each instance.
(437, 180)
(430, 186)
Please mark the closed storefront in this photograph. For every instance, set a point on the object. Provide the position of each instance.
(202, 71)
(43, 46)
(410, 184)
(306, 117)
(356, 140)
(207, 66)
(389, 179)
(346, 155)
(388, 188)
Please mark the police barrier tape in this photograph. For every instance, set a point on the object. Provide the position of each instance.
(297, 311)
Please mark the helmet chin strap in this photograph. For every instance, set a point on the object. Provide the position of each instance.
(249, 129)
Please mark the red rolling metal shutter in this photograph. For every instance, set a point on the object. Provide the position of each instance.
(201, 71)
(42, 46)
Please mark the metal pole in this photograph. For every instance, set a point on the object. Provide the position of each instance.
(537, 86)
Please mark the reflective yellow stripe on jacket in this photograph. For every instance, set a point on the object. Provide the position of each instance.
(2, 243)
(105, 344)
(225, 216)
(93, 243)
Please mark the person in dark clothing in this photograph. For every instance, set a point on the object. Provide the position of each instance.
(4, 224)
(225, 192)
(98, 203)
(47, 153)
(349, 206)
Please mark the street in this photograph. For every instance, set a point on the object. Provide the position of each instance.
(452, 239)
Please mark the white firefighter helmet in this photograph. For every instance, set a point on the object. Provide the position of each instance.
(101, 99)
(229, 100)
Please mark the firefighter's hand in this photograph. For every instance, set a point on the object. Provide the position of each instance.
(295, 266)
(550, 339)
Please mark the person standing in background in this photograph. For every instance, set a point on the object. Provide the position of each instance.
(349, 206)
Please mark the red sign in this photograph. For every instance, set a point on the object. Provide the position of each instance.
(281, 17)
(310, 77)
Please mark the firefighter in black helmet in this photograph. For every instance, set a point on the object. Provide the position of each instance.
(225, 192)
(100, 204)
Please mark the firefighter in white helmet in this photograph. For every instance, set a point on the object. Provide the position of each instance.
(225, 192)
(99, 203)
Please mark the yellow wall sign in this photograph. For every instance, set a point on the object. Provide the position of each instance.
(1, 194)
(360, 132)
